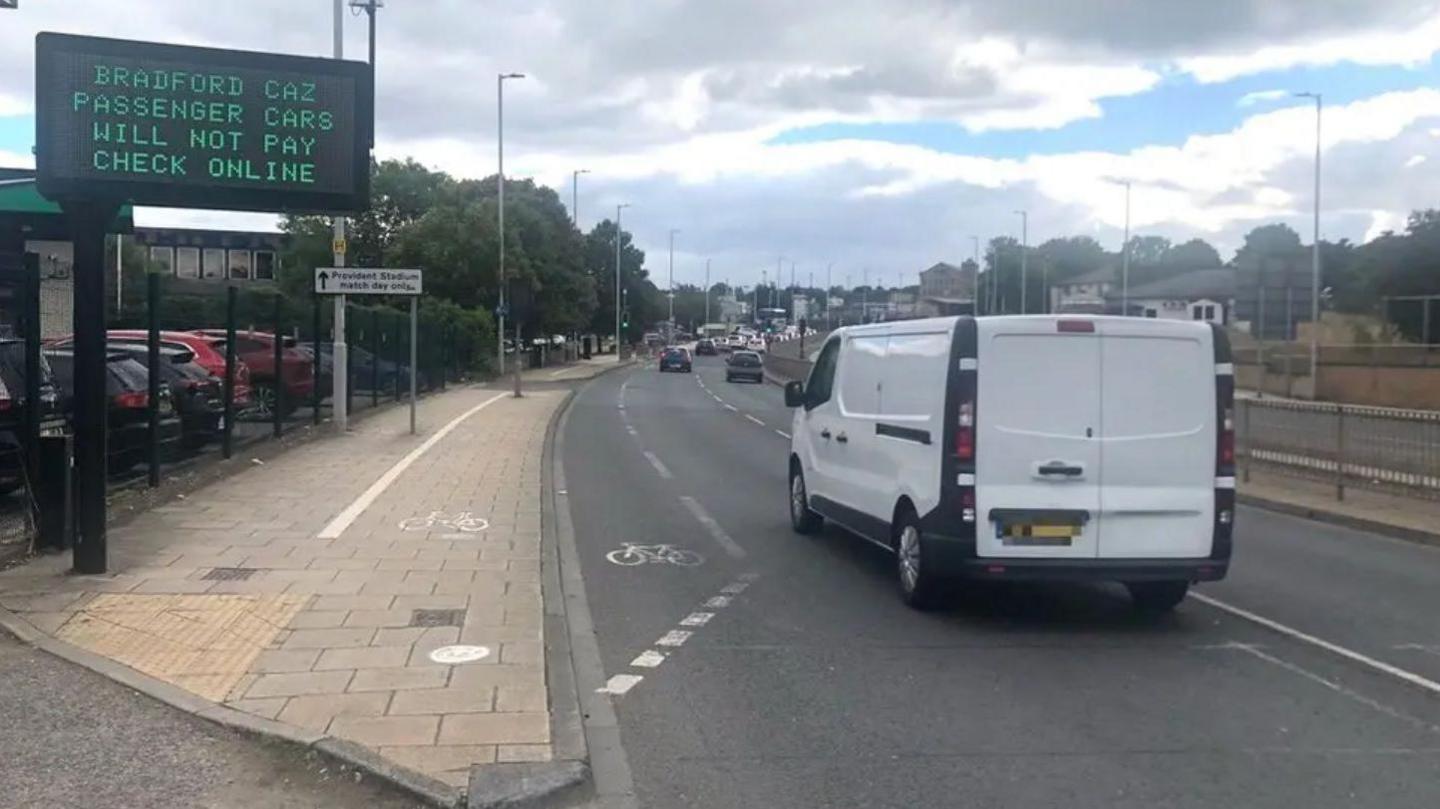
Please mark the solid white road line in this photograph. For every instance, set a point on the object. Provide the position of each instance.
(783, 434)
(716, 532)
(619, 684)
(1334, 686)
(659, 467)
(1380, 666)
(337, 526)
(675, 637)
(757, 421)
(648, 659)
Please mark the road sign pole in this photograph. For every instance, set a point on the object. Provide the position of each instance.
(338, 354)
(88, 222)
(414, 320)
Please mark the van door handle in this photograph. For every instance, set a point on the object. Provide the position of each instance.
(842, 438)
(1062, 470)
(825, 434)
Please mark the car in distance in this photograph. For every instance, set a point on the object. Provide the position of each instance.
(1031, 448)
(705, 347)
(744, 365)
(127, 384)
(675, 359)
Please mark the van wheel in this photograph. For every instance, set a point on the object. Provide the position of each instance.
(802, 519)
(1157, 596)
(919, 585)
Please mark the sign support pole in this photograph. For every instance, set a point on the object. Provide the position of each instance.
(339, 364)
(414, 327)
(88, 222)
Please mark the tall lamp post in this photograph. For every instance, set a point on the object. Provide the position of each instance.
(575, 195)
(1315, 260)
(977, 291)
(828, 287)
(500, 176)
(618, 232)
(1024, 263)
(339, 351)
(707, 294)
(1125, 258)
(671, 285)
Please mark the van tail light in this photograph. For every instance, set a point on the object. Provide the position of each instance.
(965, 432)
(1075, 326)
(1225, 450)
(132, 399)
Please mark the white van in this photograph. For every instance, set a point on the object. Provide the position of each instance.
(1032, 447)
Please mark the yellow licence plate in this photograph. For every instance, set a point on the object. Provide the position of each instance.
(1039, 534)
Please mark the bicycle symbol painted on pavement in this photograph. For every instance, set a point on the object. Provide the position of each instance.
(461, 521)
(633, 554)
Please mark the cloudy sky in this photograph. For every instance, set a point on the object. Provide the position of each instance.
(876, 135)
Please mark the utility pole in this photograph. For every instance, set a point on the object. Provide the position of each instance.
(1024, 258)
(828, 287)
(575, 196)
(339, 352)
(865, 297)
(1125, 258)
(1315, 263)
(618, 232)
(707, 294)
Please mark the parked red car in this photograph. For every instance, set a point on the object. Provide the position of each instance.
(206, 354)
(257, 348)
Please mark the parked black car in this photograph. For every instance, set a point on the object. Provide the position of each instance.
(744, 365)
(198, 395)
(127, 385)
(12, 411)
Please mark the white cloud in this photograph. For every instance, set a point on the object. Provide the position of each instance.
(1251, 99)
(1413, 45)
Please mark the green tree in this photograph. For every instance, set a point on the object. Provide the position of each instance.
(1148, 251)
(598, 257)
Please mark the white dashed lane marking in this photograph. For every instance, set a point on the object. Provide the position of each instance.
(619, 684)
(783, 434)
(716, 532)
(757, 421)
(648, 659)
(718, 602)
(675, 637)
(660, 468)
(697, 619)
(731, 408)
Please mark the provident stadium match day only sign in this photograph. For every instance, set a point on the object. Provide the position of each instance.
(189, 127)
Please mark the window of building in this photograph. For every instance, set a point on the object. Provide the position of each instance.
(214, 262)
(1209, 312)
(1149, 312)
(264, 265)
(164, 259)
(187, 262)
(240, 265)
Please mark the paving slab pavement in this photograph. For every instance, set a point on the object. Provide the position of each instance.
(328, 589)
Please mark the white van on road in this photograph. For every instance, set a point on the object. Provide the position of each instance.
(1024, 447)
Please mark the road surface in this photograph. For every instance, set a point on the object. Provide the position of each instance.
(1310, 678)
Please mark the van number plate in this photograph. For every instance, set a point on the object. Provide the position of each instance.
(1037, 534)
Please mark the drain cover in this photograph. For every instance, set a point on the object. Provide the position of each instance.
(437, 617)
(450, 655)
(229, 574)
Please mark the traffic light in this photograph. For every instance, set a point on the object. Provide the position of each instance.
(625, 318)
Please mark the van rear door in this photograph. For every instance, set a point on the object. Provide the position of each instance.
(1037, 455)
(1158, 433)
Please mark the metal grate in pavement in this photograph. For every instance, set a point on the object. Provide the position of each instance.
(437, 617)
(229, 574)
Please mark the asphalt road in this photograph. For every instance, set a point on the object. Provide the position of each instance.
(71, 739)
(811, 685)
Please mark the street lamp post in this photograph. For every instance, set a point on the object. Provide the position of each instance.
(1125, 258)
(339, 351)
(1315, 260)
(707, 294)
(671, 284)
(575, 195)
(618, 232)
(976, 290)
(1024, 262)
(828, 287)
(500, 178)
